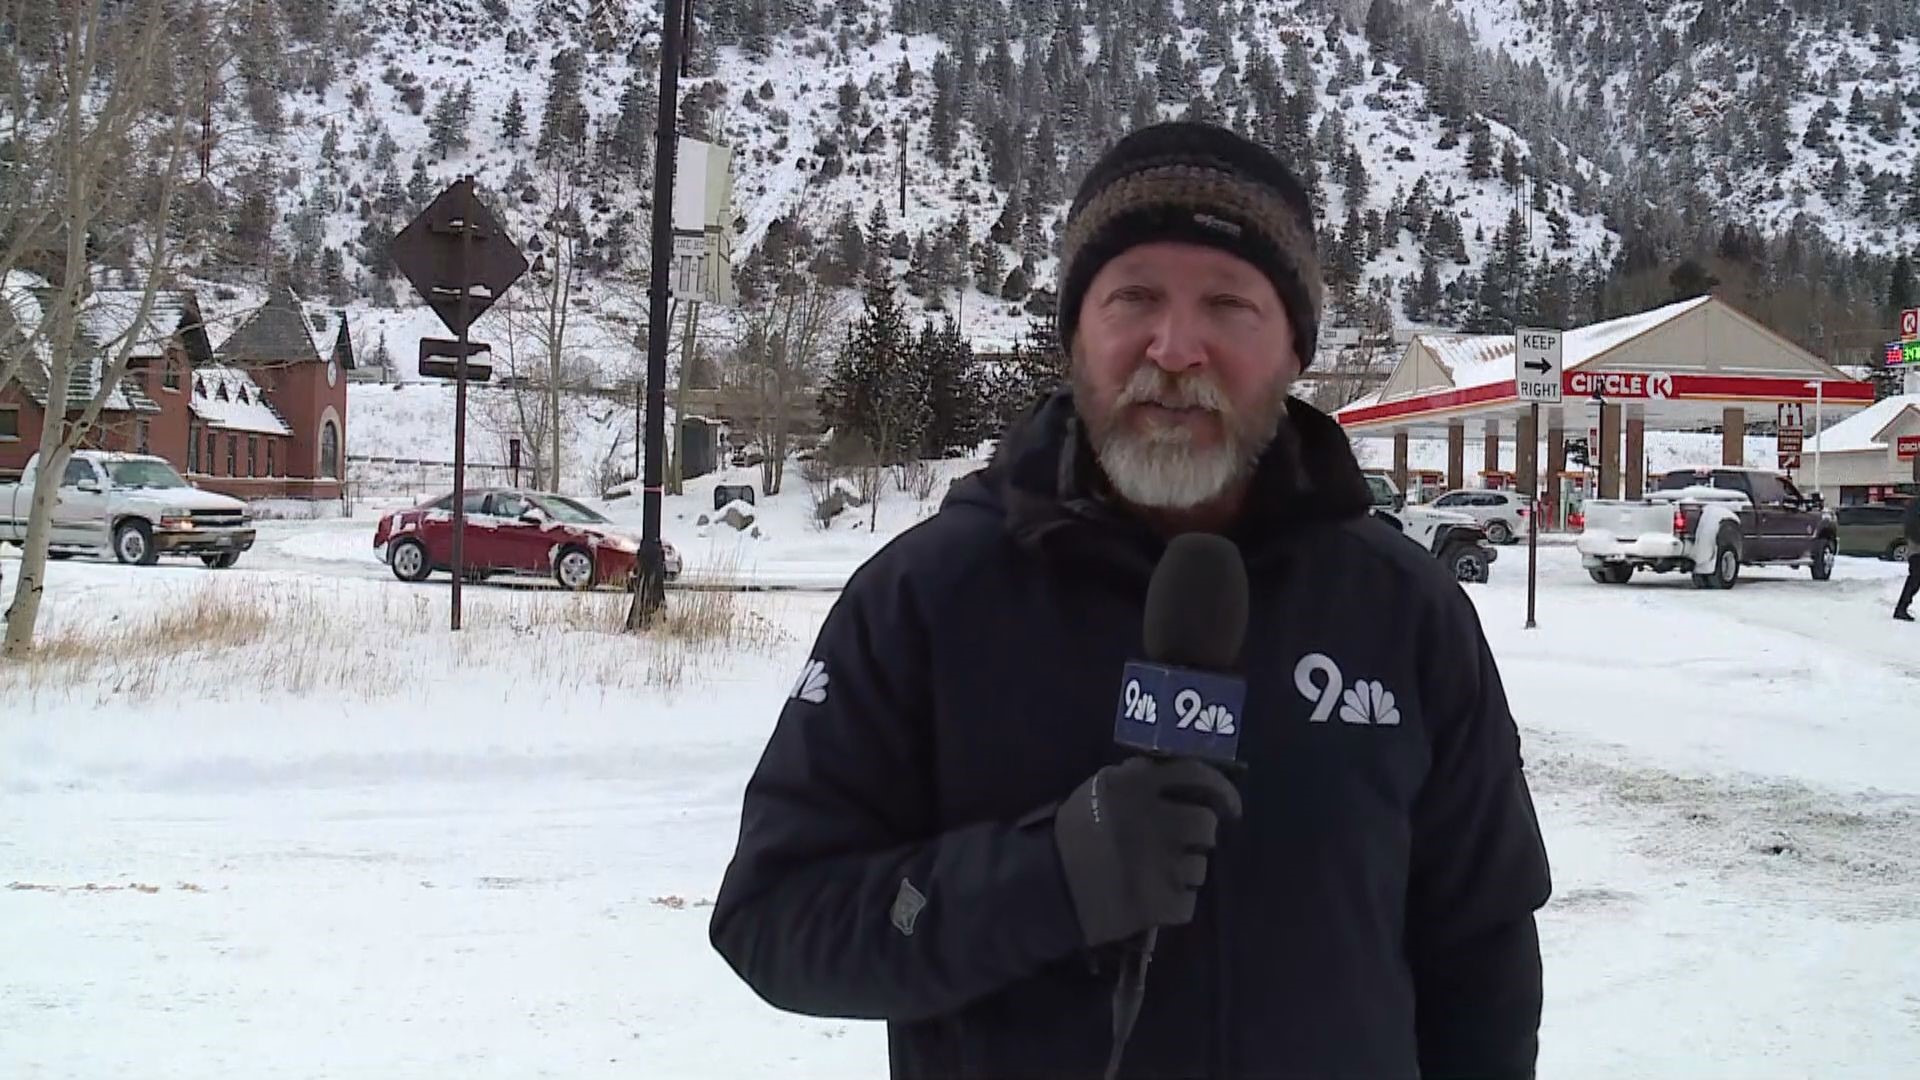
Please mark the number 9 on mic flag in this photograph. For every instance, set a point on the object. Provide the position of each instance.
(1180, 712)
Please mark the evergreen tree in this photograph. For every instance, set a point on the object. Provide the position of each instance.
(1857, 111)
(957, 406)
(1510, 166)
(1036, 368)
(879, 238)
(447, 127)
(333, 275)
(919, 271)
(419, 186)
(563, 124)
(943, 128)
(849, 252)
(1480, 154)
(1560, 229)
(875, 395)
(1171, 81)
(1839, 182)
(513, 121)
(1423, 299)
(1356, 180)
(630, 143)
(989, 265)
(756, 30)
(1017, 285)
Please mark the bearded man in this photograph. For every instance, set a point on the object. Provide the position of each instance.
(941, 832)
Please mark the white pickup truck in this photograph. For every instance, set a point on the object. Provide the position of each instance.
(1709, 522)
(132, 505)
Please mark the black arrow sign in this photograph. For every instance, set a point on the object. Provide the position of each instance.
(1538, 366)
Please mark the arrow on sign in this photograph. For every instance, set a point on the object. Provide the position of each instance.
(1538, 366)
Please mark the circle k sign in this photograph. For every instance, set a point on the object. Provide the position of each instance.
(1621, 384)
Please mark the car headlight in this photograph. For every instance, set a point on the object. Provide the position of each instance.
(176, 519)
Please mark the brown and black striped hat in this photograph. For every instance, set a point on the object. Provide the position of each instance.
(1201, 184)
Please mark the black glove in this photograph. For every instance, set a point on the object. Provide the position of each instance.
(1134, 840)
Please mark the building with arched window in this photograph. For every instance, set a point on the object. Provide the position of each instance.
(298, 355)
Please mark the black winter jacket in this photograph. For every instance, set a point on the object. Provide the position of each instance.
(1372, 914)
(1911, 522)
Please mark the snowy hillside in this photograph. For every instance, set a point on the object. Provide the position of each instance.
(1764, 110)
(416, 97)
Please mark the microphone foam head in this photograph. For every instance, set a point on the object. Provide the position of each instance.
(1197, 604)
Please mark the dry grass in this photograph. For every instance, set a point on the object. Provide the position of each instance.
(360, 640)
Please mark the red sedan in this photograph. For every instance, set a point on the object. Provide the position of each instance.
(515, 532)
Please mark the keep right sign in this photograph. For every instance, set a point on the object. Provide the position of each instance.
(1536, 365)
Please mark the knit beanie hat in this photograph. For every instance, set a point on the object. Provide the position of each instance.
(1200, 184)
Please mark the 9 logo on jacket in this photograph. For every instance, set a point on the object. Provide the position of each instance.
(1319, 680)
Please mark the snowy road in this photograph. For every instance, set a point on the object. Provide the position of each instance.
(362, 850)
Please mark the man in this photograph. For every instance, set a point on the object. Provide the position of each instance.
(1911, 522)
(941, 832)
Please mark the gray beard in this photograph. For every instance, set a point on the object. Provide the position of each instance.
(1162, 473)
(1160, 468)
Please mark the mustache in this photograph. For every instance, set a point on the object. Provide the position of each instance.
(1152, 386)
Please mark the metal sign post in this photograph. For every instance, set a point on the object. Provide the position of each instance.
(650, 583)
(460, 259)
(1538, 373)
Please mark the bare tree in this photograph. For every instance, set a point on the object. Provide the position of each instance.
(99, 97)
(519, 406)
(563, 277)
(783, 348)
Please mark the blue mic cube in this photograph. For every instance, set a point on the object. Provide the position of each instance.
(1180, 712)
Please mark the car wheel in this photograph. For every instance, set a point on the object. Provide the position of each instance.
(574, 569)
(222, 561)
(1469, 565)
(1822, 559)
(1500, 532)
(1725, 573)
(1612, 574)
(409, 561)
(133, 544)
(1901, 551)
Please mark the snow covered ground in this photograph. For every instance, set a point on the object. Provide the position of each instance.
(332, 840)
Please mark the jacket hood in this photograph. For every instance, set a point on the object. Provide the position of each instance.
(1045, 481)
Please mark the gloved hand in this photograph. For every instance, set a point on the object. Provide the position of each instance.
(1134, 839)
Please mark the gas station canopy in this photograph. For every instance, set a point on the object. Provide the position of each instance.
(1684, 367)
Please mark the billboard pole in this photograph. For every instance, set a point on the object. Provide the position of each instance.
(649, 588)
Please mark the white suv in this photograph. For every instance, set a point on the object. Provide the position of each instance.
(1502, 513)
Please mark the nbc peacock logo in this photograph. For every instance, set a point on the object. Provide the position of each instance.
(1368, 702)
(811, 686)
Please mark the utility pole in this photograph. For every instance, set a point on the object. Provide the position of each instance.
(649, 594)
(903, 173)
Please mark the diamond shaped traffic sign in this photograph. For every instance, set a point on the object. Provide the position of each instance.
(456, 245)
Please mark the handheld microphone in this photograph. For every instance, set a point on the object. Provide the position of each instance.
(1183, 700)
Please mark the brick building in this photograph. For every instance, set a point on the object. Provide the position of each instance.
(263, 416)
(148, 412)
(298, 354)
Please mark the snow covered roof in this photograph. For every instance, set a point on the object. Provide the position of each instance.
(1863, 430)
(20, 310)
(228, 398)
(1485, 359)
(107, 318)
